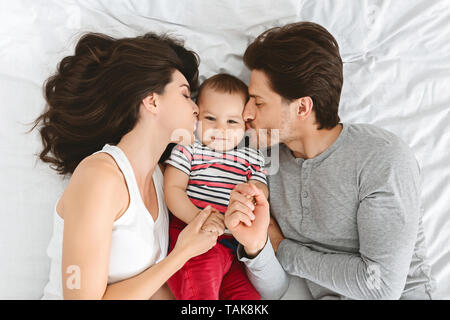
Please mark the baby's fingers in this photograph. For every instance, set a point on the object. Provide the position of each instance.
(213, 227)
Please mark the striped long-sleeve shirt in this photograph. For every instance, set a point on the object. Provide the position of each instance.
(214, 174)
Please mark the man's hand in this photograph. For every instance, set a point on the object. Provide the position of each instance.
(248, 221)
(275, 234)
(215, 222)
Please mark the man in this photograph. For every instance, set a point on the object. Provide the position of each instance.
(346, 196)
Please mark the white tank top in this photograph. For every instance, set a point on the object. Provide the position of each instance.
(137, 242)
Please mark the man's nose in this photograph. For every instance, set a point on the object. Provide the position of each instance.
(249, 112)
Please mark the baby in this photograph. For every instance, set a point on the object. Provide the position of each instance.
(203, 175)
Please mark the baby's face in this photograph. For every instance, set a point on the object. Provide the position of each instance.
(221, 126)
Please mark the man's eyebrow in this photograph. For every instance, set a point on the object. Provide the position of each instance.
(254, 96)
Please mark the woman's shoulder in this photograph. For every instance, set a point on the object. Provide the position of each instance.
(96, 179)
(101, 160)
(99, 168)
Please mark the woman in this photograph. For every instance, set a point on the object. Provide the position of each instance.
(112, 109)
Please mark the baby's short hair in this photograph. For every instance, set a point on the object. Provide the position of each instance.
(224, 83)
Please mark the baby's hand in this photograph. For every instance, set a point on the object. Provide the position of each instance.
(215, 222)
(252, 199)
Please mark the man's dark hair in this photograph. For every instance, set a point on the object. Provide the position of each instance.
(301, 60)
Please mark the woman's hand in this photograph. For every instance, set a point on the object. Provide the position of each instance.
(194, 241)
(215, 222)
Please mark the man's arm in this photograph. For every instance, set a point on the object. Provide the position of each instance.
(387, 218)
(265, 272)
(254, 250)
(261, 186)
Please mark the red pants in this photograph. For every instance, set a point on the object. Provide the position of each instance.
(216, 274)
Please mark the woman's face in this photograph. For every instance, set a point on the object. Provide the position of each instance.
(178, 111)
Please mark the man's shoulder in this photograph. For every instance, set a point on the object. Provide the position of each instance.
(369, 137)
(372, 144)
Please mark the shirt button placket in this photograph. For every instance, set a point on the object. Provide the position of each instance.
(305, 189)
(300, 199)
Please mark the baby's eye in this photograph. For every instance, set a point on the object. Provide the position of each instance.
(232, 122)
(210, 118)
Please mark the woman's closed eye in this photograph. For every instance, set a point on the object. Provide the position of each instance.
(186, 93)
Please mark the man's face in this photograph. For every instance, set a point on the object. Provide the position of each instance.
(265, 114)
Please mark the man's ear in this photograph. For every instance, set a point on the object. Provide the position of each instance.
(149, 103)
(304, 107)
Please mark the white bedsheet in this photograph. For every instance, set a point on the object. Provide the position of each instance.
(397, 76)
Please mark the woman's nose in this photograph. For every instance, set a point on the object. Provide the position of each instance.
(195, 109)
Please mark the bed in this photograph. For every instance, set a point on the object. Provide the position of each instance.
(396, 75)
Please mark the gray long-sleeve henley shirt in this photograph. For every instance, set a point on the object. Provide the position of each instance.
(351, 218)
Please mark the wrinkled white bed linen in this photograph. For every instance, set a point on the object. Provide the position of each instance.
(397, 76)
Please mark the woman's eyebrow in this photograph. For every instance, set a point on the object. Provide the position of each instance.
(187, 86)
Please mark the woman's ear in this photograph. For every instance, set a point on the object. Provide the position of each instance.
(149, 103)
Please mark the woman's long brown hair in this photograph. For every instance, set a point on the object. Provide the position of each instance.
(94, 97)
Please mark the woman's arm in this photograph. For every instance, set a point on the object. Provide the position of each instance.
(89, 214)
(147, 283)
(191, 242)
(90, 207)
